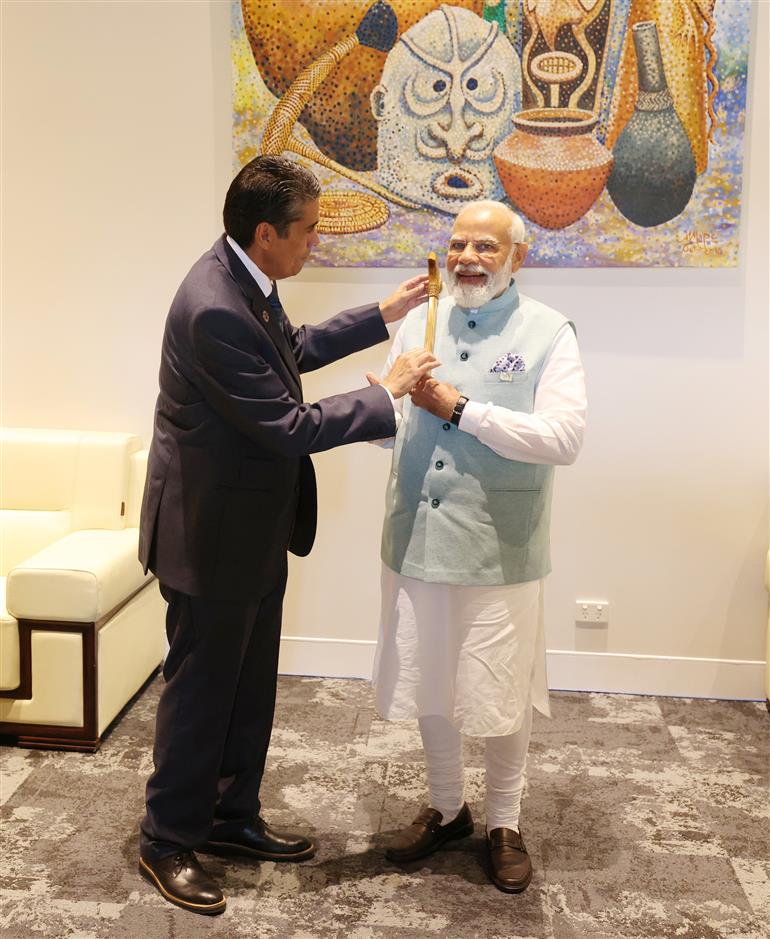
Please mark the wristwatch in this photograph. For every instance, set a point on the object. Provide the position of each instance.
(458, 410)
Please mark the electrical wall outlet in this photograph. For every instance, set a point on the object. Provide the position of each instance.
(592, 612)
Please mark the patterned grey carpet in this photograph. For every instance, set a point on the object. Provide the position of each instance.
(645, 817)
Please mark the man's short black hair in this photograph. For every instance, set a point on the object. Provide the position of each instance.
(270, 189)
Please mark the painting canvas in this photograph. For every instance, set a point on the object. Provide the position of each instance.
(614, 127)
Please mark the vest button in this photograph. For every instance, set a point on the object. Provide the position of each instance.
(435, 503)
(471, 324)
(439, 464)
(446, 426)
(464, 356)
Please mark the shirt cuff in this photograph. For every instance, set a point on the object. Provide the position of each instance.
(387, 442)
(392, 400)
(471, 418)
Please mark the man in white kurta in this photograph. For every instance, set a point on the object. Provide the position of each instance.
(465, 540)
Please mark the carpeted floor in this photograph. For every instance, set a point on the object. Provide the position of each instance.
(645, 817)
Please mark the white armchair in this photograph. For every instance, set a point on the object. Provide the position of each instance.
(81, 626)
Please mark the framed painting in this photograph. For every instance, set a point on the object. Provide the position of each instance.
(614, 127)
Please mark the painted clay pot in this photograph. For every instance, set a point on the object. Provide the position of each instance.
(654, 172)
(551, 167)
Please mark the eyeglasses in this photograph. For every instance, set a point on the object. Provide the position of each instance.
(483, 249)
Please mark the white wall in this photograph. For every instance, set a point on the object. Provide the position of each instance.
(116, 157)
(112, 185)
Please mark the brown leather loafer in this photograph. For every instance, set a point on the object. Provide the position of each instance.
(510, 866)
(182, 880)
(257, 840)
(426, 834)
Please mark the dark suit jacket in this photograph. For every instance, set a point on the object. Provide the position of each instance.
(230, 486)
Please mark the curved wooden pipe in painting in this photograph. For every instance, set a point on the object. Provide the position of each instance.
(377, 30)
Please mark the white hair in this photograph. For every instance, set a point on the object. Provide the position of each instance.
(517, 229)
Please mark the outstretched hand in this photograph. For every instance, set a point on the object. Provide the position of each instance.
(404, 298)
(408, 369)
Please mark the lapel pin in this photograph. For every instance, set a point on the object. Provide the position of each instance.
(266, 316)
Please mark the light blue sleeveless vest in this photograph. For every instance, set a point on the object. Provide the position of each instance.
(456, 512)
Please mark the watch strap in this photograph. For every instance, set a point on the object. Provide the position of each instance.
(458, 410)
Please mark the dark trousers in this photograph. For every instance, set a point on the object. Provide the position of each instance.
(214, 717)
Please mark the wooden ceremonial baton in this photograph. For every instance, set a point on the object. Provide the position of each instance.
(434, 289)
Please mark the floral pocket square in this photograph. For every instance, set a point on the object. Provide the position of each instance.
(510, 362)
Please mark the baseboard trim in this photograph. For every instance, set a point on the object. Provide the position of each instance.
(610, 672)
(328, 658)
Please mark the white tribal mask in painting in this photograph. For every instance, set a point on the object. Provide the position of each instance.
(444, 102)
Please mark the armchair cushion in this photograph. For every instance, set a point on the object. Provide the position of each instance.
(79, 578)
(9, 645)
(24, 533)
(85, 472)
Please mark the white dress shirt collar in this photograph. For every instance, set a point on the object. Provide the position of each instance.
(263, 281)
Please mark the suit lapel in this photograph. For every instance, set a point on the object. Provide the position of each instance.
(263, 313)
(266, 317)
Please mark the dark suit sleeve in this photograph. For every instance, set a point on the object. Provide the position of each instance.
(348, 332)
(239, 384)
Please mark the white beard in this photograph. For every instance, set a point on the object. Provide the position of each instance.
(473, 296)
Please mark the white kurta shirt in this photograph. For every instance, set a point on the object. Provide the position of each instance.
(476, 655)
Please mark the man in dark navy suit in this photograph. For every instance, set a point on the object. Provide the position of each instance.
(230, 488)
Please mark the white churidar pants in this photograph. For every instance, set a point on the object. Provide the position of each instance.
(464, 659)
(505, 770)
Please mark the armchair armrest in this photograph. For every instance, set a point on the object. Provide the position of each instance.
(79, 578)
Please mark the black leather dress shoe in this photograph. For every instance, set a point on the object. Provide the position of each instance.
(182, 880)
(257, 840)
(510, 868)
(426, 834)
